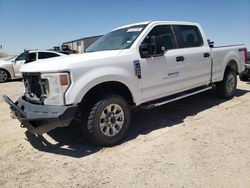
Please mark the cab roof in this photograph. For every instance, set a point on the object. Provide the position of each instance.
(35, 51)
(156, 22)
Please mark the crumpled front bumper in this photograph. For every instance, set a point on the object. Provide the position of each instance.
(40, 119)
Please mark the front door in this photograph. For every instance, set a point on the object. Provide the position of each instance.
(161, 75)
(21, 60)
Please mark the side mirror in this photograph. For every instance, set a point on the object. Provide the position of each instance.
(145, 50)
(153, 48)
(157, 46)
(210, 43)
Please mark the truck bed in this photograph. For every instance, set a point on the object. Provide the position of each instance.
(222, 55)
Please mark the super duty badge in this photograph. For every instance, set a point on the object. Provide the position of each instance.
(137, 67)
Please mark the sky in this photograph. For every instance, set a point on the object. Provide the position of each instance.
(42, 24)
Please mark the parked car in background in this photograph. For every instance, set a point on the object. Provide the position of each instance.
(9, 69)
(245, 75)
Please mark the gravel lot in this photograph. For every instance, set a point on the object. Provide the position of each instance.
(201, 141)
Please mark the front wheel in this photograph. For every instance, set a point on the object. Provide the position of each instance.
(227, 87)
(108, 121)
(4, 76)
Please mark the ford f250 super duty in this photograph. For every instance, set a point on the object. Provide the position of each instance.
(140, 65)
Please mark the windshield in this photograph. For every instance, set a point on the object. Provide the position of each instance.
(118, 39)
(22, 56)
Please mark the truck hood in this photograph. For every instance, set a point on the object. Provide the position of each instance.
(65, 63)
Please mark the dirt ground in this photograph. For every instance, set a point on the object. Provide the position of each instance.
(200, 141)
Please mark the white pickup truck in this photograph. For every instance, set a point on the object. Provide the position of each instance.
(140, 65)
(9, 69)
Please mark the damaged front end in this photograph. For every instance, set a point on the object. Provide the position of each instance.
(42, 108)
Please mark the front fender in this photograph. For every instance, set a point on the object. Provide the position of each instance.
(81, 85)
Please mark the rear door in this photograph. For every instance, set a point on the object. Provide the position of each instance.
(196, 56)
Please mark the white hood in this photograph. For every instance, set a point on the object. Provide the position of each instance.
(67, 62)
(5, 62)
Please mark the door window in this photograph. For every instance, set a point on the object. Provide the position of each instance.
(31, 57)
(188, 36)
(22, 56)
(45, 55)
(166, 34)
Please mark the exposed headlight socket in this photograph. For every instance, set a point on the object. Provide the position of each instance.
(56, 85)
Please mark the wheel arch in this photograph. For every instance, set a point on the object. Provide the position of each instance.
(232, 61)
(232, 64)
(115, 87)
(128, 91)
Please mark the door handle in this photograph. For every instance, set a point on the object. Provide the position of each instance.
(206, 55)
(180, 58)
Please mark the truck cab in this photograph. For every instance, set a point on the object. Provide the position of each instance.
(185, 58)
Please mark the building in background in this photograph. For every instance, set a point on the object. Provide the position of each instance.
(79, 45)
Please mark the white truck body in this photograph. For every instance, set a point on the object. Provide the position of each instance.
(147, 71)
(90, 69)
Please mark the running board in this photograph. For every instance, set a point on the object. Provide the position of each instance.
(175, 97)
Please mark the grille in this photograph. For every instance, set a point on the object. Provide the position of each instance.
(34, 87)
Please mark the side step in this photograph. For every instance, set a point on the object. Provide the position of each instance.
(175, 97)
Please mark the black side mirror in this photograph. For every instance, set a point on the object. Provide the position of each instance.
(210, 43)
(153, 48)
(145, 50)
(157, 46)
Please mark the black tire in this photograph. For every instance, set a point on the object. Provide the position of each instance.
(92, 128)
(4, 76)
(227, 87)
(243, 77)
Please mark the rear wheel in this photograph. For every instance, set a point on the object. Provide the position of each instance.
(4, 76)
(108, 121)
(227, 87)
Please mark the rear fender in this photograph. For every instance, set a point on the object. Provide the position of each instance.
(231, 58)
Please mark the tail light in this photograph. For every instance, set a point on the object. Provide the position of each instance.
(245, 54)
